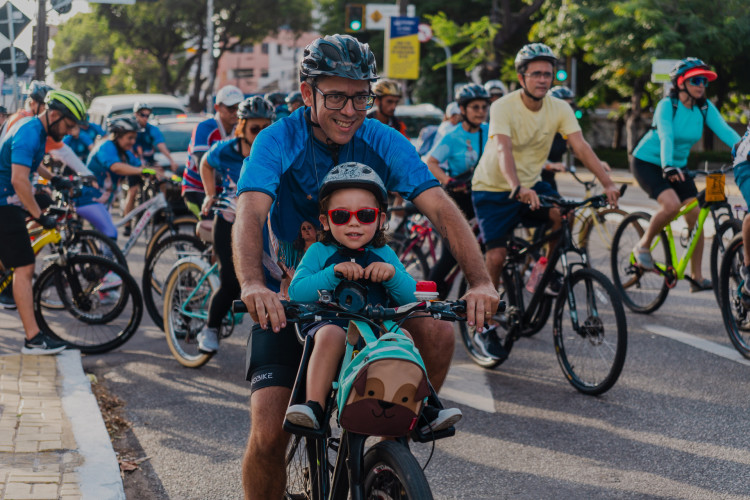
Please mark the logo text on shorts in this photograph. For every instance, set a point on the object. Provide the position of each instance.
(261, 377)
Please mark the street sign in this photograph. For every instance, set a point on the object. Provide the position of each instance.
(377, 14)
(402, 48)
(424, 33)
(660, 69)
(62, 6)
(6, 63)
(19, 20)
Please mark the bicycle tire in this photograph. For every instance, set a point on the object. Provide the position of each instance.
(596, 237)
(642, 291)
(590, 359)
(391, 471)
(724, 234)
(184, 224)
(415, 263)
(182, 330)
(94, 242)
(734, 313)
(158, 264)
(467, 332)
(87, 322)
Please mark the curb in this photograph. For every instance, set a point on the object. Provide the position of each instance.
(99, 475)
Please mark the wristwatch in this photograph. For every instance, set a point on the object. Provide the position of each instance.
(514, 192)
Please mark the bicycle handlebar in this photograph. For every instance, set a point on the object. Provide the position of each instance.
(598, 201)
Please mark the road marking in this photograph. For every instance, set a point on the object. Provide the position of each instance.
(699, 343)
(467, 384)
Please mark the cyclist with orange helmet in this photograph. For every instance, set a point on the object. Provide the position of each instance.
(387, 96)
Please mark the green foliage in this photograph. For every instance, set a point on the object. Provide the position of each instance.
(474, 39)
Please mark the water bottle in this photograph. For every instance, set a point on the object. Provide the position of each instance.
(426, 290)
(536, 274)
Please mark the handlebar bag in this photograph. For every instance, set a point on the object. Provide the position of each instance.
(383, 387)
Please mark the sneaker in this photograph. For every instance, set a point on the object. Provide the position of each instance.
(110, 281)
(745, 290)
(643, 257)
(42, 345)
(305, 415)
(489, 345)
(109, 298)
(6, 299)
(208, 340)
(439, 419)
(555, 285)
(126, 231)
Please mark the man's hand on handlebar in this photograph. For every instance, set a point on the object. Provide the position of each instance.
(264, 306)
(613, 194)
(528, 197)
(481, 304)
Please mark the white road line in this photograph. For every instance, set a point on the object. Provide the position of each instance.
(467, 384)
(699, 343)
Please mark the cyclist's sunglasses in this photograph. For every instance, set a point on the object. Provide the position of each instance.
(697, 81)
(255, 129)
(341, 216)
(145, 115)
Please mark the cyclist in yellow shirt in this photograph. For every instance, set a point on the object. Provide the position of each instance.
(507, 180)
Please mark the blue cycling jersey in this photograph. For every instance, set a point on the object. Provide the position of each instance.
(23, 145)
(460, 150)
(226, 158)
(288, 164)
(104, 155)
(79, 145)
(148, 139)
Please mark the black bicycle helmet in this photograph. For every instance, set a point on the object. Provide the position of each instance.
(276, 98)
(354, 175)
(122, 124)
(295, 96)
(533, 52)
(38, 90)
(338, 55)
(67, 103)
(256, 107)
(561, 92)
(142, 105)
(471, 92)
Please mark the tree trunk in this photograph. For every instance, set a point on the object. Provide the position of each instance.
(195, 94)
(634, 116)
(617, 135)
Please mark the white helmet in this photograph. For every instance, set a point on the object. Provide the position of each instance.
(495, 87)
(452, 109)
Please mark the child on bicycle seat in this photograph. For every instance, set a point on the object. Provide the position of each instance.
(353, 203)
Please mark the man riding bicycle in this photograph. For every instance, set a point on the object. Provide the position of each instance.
(279, 186)
(507, 182)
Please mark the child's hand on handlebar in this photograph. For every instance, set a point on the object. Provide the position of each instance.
(378, 272)
(349, 270)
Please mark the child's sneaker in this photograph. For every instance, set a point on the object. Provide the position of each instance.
(306, 415)
(439, 419)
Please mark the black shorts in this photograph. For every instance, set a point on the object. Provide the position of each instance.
(272, 358)
(134, 180)
(651, 179)
(15, 251)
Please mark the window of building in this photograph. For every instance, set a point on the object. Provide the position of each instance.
(244, 72)
(278, 49)
(264, 48)
(264, 72)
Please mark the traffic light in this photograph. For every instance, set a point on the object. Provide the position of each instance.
(355, 17)
(561, 75)
(579, 114)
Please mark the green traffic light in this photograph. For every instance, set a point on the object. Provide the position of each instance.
(579, 114)
(561, 75)
(355, 25)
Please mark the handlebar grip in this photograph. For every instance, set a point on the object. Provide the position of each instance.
(148, 171)
(623, 188)
(238, 307)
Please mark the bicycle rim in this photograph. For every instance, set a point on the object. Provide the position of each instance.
(392, 472)
(734, 311)
(591, 355)
(642, 291)
(470, 343)
(102, 303)
(186, 298)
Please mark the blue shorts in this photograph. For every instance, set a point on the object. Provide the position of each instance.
(742, 179)
(498, 215)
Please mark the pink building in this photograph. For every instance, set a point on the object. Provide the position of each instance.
(264, 67)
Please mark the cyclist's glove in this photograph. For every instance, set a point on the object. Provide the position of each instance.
(671, 172)
(61, 183)
(47, 221)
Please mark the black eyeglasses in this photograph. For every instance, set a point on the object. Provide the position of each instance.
(697, 81)
(478, 107)
(232, 109)
(361, 102)
(341, 216)
(255, 129)
(538, 75)
(144, 115)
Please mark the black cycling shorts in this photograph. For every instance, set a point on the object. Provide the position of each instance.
(651, 179)
(15, 250)
(272, 358)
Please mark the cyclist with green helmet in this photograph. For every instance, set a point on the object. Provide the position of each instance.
(507, 180)
(21, 155)
(660, 158)
(278, 191)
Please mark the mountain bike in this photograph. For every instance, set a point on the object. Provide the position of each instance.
(328, 464)
(644, 291)
(735, 305)
(589, 324)
(415, 241)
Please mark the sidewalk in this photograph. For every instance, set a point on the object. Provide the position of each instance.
(53, 442)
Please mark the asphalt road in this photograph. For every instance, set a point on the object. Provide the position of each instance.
(674, 426)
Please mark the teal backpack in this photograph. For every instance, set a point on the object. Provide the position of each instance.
(383, 387)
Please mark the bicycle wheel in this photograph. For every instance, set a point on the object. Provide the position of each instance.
(596, 237)
(186, 300)
(642, 291)
(590, 332)
(724, 234)
(415, 263)
(735, 307)
(391, 471)
(102, 303)
(184, 224)
(467, 334)
(159, 263)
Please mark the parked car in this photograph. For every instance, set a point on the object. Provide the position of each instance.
(105, 107)
(177, 130)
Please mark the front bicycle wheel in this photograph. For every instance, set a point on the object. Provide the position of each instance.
(724, 234)
(590, 332)
(641, 290)
(184, 224)
(102, 303)
(472, 342)
(186, 299)
(596, 237)
(735, 306)
(157, 268)
(392, 472)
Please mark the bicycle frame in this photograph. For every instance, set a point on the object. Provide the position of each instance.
(149, 209)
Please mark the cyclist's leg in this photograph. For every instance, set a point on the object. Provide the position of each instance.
(229, 289)
(497, 215)
(435, 341)
(742, 179)
(651, 180)
(687, 192)
(194, 201)
(99, 217)
(134, 185)
(544, 216)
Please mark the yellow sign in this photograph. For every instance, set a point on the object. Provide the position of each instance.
(402, 48)
(376, 16)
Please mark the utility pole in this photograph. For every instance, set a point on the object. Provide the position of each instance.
(41, 41)
(210, 52)
(402, 12)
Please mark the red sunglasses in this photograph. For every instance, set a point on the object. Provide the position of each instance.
(341, 216)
